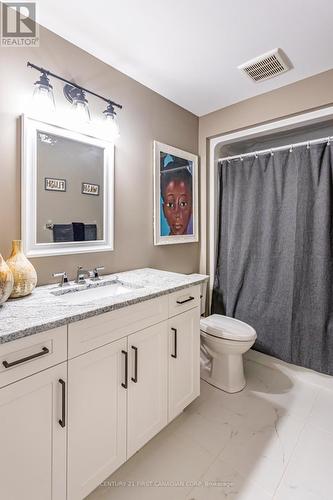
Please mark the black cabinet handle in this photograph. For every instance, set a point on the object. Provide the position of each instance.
(174, 355)
(184, 301)
(135, 378)
(62, 421)
(28, 358)
(124, 384)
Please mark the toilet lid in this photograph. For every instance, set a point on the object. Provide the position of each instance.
(227, 328)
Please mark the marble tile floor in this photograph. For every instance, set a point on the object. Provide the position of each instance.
(274, 440)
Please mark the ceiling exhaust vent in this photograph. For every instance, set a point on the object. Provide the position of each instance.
(267, 66)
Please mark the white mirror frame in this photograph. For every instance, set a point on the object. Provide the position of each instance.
(29, 192)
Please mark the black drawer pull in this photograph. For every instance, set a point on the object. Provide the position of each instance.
(62, 421)
(135, 378)
(28, 358)
(124, 384)
(184, 301)
(174, 355)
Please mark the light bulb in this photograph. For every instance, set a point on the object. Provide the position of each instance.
(111, 122)
(76, 96)
(81, 109)
(43, 98)
(113, 127)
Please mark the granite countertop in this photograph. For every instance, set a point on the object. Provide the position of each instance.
(42, 310)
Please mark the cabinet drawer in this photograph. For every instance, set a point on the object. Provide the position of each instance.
(94, 332)
(23, 357)
(184, 300)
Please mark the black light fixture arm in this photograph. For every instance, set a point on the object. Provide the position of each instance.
(49, 73)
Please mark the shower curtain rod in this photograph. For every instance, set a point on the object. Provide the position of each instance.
(280, 148)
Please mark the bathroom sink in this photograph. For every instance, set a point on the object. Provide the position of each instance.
(78, 295)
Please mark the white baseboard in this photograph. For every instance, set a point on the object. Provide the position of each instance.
(303, 374)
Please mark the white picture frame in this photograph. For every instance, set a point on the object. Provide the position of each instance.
(167, 160)
(29, 128)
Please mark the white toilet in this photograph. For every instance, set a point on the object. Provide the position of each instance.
(224, 340)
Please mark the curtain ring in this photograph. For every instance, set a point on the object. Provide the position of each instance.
(291, 149)
(256, 155)
(272, 153)
(328, 141)
(308, 145)
(241, 158)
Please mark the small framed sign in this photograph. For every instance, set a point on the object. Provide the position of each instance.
(88, 188)
(55, 184)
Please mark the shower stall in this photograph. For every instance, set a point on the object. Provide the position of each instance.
(271, 237)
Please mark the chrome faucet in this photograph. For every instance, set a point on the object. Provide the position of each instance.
(81, 274)
(64, 278)
(95, 273)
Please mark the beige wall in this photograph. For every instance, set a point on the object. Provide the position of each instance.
(301, 96)
(145, 116)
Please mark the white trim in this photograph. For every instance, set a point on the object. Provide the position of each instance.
(186, 238)
(29, 198)
(308, 118)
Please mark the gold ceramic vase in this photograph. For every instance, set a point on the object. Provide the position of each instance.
(24, 274)
(6, 281)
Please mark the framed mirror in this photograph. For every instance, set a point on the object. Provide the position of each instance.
(67, 190)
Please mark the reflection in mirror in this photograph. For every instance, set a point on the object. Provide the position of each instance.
(70, 190)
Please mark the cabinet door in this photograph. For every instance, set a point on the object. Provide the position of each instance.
(33, 442)
(184, 360)
(147, 391)
(96, 417)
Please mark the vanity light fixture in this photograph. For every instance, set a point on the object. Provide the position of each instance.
(43, 97)
(76, 95)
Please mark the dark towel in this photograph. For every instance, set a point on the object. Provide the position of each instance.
(78, 230)
(63, 232)
(90, 232)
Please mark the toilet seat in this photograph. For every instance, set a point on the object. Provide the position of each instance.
(224, 327)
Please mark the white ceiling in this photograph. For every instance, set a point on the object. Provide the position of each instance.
(189, 50)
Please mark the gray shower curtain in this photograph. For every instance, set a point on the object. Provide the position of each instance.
(274, 266)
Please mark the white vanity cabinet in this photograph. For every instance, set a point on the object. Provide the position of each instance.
(122, 393)
(97, 407)
(117, 399)
(77, 401)
(33, 437)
